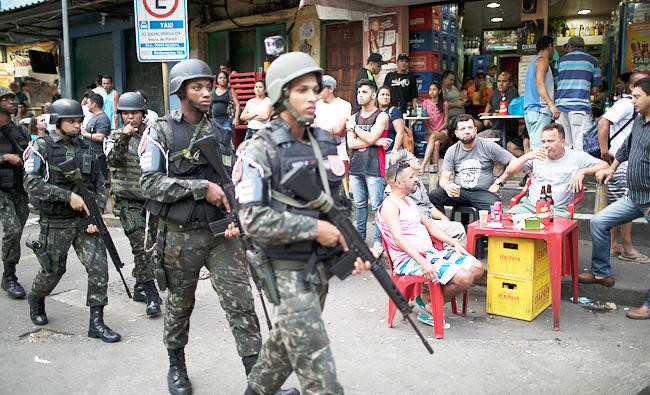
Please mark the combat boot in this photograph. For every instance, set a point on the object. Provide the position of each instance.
(139, 294)
(153, 299)
(98, 330)
(10, 282)
(177, 380)
(290, 391)
(37, 309)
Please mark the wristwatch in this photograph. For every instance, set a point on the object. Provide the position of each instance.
(499, 182)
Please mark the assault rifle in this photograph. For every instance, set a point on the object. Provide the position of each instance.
(208, 147)
(73, 173)
(300, 182)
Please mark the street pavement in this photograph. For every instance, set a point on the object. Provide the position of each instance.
(594, 352)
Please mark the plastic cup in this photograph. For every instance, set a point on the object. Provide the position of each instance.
(457, 194)
(483, 217)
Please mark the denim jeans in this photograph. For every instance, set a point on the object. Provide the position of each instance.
(223, 122)
(362, 188)
(620, 212)
(535, 121)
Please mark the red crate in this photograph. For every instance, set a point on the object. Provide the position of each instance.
(425, 61)
(427, 17)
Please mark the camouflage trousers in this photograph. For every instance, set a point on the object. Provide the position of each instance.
(185, 253)
(298, 341)
(134, 225)
(56, 238)
(13, 216)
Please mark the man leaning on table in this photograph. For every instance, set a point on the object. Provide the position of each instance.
(553, 164)
(635, 150)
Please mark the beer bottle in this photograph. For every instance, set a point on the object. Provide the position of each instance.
(549, 198)
(542, 195)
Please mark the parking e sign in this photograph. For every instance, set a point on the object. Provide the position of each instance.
(161, 30)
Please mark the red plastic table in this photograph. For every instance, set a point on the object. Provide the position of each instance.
(561, 238)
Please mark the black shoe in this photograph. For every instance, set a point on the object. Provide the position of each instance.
(37, 309)
(153, 299)
(138, 293)
(11, 285)
(177, 381)
(523, 180)
(98, 330)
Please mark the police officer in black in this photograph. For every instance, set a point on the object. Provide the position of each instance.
(13, 199)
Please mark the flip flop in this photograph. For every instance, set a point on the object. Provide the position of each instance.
(635, 259)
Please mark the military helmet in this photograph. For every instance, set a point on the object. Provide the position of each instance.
(65, 108)
(4, 91)
(187, 70)
(287, 68)
(131, 101)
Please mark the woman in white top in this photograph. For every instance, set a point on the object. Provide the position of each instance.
(257, 111)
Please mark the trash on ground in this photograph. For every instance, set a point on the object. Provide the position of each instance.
(610, 306)
(39, 360)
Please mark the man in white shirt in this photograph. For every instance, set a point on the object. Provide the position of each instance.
(613, 128)
(556, 165)
(332, 113)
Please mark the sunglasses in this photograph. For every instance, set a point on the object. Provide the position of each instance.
(403, 164)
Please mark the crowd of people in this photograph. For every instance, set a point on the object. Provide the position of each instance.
(169, 197)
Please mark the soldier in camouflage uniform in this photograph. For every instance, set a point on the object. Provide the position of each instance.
(122, 156)
(63, 216)
(298, 242)
(13, 199)
(180, 188)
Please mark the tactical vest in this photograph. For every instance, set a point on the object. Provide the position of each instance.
(188, 210)
(290, 152)
(125, 180)
(11, 177)
(57, 153)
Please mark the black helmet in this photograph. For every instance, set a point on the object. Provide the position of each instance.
(65, 108)
(131, 101)
(187, 70)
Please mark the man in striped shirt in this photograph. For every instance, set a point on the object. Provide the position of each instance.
(635, 150)
(577, 73)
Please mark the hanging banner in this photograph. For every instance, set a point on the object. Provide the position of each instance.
(638, 55)
(382, 36)
(19, 56)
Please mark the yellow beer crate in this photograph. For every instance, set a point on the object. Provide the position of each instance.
(515, 257)
(517, 298)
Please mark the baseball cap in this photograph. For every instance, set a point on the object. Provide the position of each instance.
(403, 56)
(328, 80)
(375, 57)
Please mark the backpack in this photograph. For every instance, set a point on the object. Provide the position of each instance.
(590, 143)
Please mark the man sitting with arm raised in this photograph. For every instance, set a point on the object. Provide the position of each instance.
(407, 233)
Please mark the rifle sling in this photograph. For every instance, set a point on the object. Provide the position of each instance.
(187, 152)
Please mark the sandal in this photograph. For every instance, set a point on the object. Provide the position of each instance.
(635, 259)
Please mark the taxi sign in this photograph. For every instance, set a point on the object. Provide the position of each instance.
(161, 30)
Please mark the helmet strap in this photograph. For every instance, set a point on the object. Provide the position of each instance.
(284, 104)
(194, 105)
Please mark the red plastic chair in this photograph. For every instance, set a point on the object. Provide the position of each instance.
(570, 208)
(411, 286)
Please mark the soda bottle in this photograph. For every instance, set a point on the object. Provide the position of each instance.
(496, 211)
(549, 199)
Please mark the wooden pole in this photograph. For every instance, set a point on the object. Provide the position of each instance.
(165, 77)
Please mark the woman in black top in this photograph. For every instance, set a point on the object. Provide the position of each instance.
(221, 97)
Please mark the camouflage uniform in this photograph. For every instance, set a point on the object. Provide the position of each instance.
(59, 231)
(298, 341)
(191, 245)
(13, 199)
(125, 172)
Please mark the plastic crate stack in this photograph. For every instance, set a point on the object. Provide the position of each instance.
(243, 84)
(433, 33)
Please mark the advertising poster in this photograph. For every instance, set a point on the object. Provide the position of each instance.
(638, 55)
(382, 37)
(6, 73)
(19, 56)
(528, 33)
